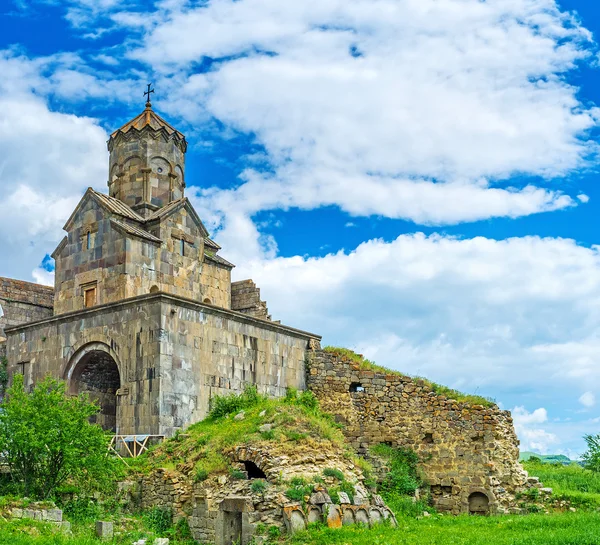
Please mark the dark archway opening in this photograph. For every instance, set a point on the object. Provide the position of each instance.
(254, 472)
(356, 387)
(154, 289)
(479, 504)
(97, 374)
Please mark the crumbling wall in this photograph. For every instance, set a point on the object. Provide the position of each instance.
(245, 297)
(22, 302)
(465, 449)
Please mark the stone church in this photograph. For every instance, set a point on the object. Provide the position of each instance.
(144, 315)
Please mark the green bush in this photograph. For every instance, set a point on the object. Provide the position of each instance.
(159, 520)
(47, 440)
(201, 475)
(258, 486)
(335, 473)
(403, 478)
(234, 403)
(591, 457)
(237, 474)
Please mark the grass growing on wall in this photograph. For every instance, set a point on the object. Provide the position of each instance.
(438, 389)
(296, 420)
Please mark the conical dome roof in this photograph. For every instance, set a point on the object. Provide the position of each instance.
(149, 118)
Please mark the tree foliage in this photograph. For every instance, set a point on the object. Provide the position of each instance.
(46, 439)
(591, 457)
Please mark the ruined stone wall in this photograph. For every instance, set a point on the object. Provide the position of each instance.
(22, 302)
(245, 297)
(173, 355)
(464, 449)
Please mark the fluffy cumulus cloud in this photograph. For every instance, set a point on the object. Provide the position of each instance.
(528, 429)
(420, 109)
(513, 319)
(46, 160)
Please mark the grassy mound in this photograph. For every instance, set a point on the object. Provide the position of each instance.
(572, 483)
(293, 425)
(348, 355)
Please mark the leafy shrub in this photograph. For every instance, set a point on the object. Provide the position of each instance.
(258, 486)
(299, 490)
(237, 474)
(403, 477)
(304, 399)
(591, 457)
(234, 403)
(201, 475)
(3, 375)
(159, 520)
(335, 473)
(274, 532)
(82, 509)
(46, 438)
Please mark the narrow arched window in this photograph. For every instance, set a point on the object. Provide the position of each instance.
(182, 247)
(88, 240)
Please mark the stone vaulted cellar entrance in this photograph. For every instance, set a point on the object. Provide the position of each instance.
(96, 373)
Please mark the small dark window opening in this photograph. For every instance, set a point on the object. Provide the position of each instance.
(88, 241)
(356, 387)
(428, 438)
(254, 472)
(207, 301)
(182, 247)
(154, 289)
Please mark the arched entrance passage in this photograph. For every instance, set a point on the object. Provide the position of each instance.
(479, 504)
(94, 371)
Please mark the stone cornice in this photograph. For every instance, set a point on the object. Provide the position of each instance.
(166, 299)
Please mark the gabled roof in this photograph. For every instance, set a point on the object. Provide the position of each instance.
(135, 231)
(108, 203)
(211, 243)
(218, 259)
(173, 207)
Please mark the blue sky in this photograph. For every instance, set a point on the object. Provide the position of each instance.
(416, 180)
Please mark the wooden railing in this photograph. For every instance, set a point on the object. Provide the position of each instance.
(131, 446)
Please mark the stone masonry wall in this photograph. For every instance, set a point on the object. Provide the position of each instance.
(22, 302)
(172, 354)
(245, 297)
(465, 449)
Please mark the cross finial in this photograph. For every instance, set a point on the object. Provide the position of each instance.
(147, 94)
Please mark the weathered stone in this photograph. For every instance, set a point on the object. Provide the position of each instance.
(344, 498)
(320, 498)
(265, 428)
(240, 416)
(161, 541)
(334, 516)
(104, 530)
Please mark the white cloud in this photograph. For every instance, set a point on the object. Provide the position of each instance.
(415, 110)
(533, 437)
(587, 399)
(47, 159)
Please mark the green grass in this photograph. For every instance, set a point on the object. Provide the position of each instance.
(439, 389)
(202, 450)
(557, 529)
(573, 483)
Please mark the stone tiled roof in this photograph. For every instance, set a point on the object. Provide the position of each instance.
(148, 118)
(211, 243)
(116, 206)
(135, 231)
(218, 259)
(165, 210)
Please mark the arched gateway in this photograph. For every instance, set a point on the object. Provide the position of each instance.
(93, 370)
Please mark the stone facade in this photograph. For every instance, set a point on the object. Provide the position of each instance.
(469, 453)
(171, 355)
(142, 301)
(22, 302)
(245, 297)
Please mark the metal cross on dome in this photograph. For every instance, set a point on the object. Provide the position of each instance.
(148, 93)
